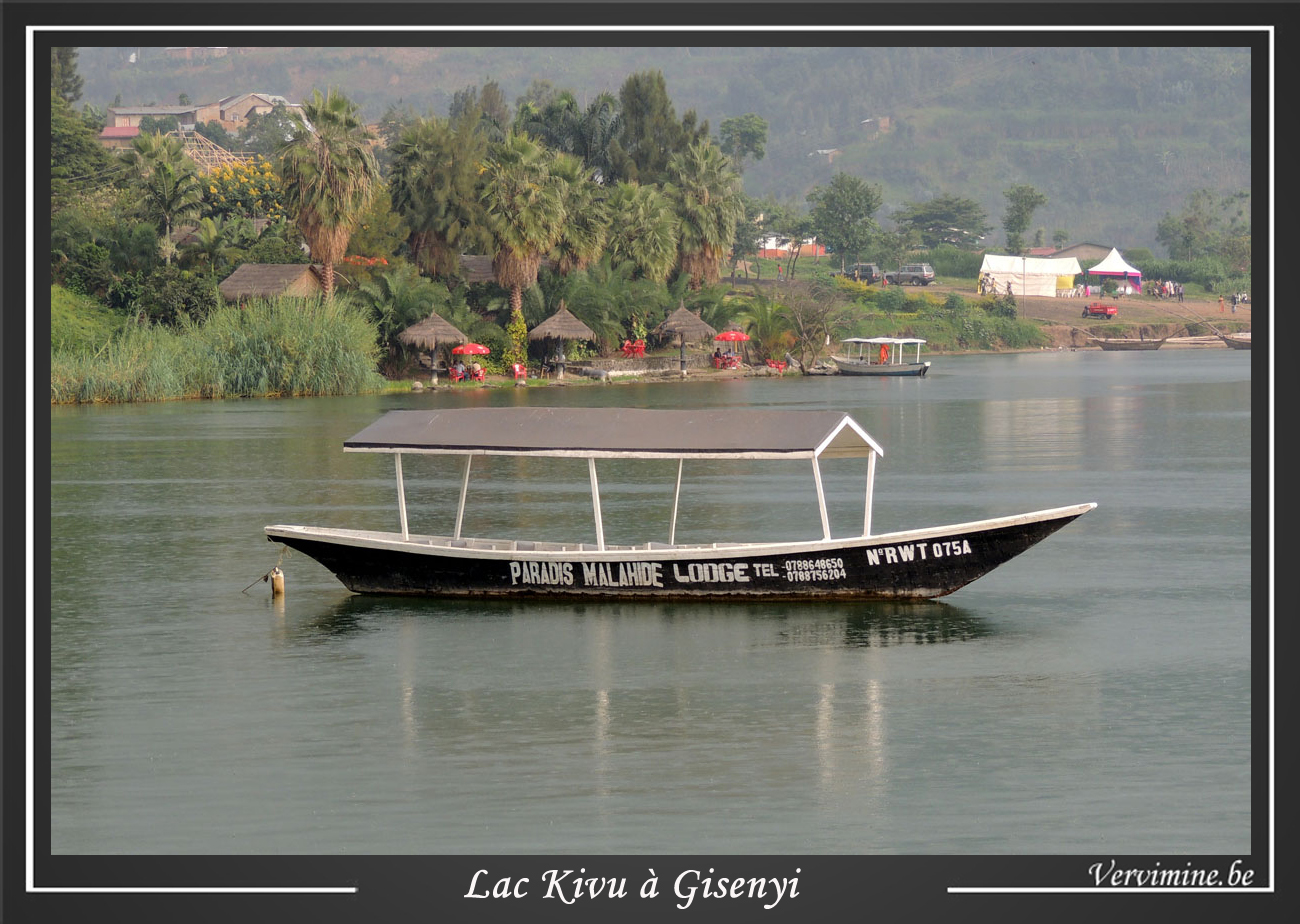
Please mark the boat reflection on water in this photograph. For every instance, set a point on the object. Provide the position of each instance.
(888, 623)
(859, 625)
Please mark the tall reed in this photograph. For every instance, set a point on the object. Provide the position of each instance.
(271, 348)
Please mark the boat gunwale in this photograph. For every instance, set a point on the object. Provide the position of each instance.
(443, 545)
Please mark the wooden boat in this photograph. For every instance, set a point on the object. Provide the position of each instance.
(912, 563)
(1128, 343)
(879, 356)
(1236, 341)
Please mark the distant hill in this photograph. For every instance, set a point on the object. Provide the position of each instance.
(1114, 137)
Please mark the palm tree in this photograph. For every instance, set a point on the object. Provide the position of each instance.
(434, 187)
(768, 325)
(525, 214)
(398, 299)
(171, 194)
(330, 176)
(705, 192)
(586, 227)
(642, 229)
(166, 183)
(211, 243)
(150, 149)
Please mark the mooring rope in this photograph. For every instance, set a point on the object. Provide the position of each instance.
(284, 550)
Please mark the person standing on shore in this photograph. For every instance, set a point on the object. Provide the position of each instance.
(1220, 304)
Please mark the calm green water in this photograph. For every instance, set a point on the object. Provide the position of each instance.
(1092, 695)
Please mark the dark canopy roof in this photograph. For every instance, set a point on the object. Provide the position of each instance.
(618, 433)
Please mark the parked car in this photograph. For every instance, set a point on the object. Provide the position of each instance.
(861, 272)
(912, 274)
(1096, 310)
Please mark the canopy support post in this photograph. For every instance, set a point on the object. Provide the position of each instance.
(595, 504)
(401, 496)
(677, 493)
(464, 489)
(871, 487)
(821, 499)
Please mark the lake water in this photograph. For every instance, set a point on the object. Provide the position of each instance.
(1092, 696)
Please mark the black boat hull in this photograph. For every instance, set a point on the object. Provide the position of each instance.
(917, 564)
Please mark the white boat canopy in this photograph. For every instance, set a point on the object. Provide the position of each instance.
(621, 433)
(895, 345)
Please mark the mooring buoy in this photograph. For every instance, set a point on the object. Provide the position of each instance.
(277, 582)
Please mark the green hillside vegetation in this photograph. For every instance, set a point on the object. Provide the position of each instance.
(79, 324)
(1115, 137)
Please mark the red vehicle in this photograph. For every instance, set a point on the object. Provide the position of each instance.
(1096, 310)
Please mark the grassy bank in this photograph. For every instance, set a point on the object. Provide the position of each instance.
(276, 348)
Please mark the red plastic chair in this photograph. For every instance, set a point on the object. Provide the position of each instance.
(454, 375)
(638, 348)
(479, 375)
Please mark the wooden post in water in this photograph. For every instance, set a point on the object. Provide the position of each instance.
(277, 582)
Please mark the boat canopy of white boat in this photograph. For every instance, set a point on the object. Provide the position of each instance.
(621, 433)
(895, 345)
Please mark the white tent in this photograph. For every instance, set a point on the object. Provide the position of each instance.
(1029, 275)
(1115, 265)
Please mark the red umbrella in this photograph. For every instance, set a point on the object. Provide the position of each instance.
(475, 349)
(732, 335)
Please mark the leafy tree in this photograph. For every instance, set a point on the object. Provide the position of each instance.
(705, 192)
(1207, 221)
(946, 219)
(842, 215)
(649, 133)
(434, 185)
(816, 315)
(93, 116)
(540, 94)
(741, 136)
(488, 109)
(266, 133)
(397, 118)
(159, 125)
(1022, 201)
(330, 177)
(171, 294)
(525, 207)
(215, 132)
(642, 230)
(78, 162)
(244, 190)
(380, 229)
(64, 79)
(745, 244)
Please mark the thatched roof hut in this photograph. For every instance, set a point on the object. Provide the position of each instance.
(686, 323)
(563, 325)
(267, 280)
(430, 332)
